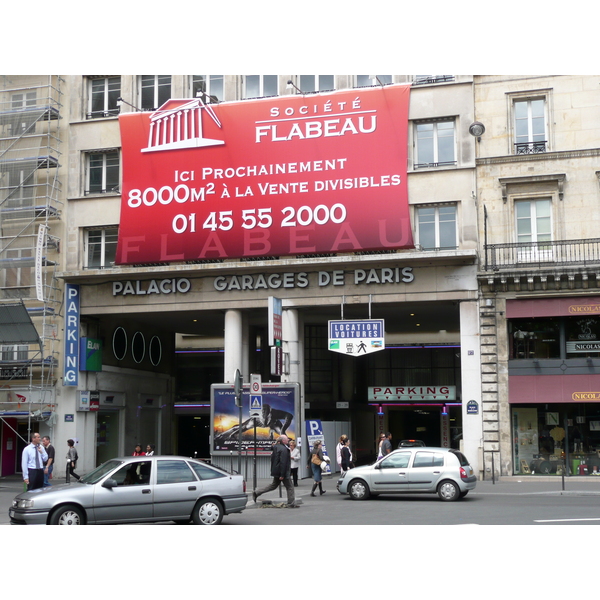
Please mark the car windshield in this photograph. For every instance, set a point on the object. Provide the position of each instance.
(99, 472)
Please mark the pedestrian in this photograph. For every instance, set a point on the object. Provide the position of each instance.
(72, 458)
(32, 463)
(346, 456)
(379, 443)
(295, 456)
(138, 451)
(316, 458)
(150, 450)
(281, 462)
(49, 464)
(338, 450)
(386, 445)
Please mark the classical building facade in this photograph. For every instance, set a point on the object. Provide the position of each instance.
(167, 330)
(538, 195)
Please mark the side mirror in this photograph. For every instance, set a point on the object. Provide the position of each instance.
(109, 484)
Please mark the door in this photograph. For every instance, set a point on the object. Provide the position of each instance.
(131, 499)
(107, 435)
(391, 474)
(426, 470)
(176, 490)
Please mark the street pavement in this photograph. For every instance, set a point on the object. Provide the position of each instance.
(505, 486)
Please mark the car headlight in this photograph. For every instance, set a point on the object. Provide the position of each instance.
(22, 503)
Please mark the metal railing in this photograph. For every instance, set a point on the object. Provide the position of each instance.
(528, 254)
(531, 147)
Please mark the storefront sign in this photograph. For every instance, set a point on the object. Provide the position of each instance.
(90, 354)
(71, 370)
(269, 177)
(552, 307)
(160, 286)
(274, 281)
(413, 393)
(355, 338)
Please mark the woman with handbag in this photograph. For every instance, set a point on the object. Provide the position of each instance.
(316, 458)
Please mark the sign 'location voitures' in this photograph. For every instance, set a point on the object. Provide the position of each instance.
(276, 176)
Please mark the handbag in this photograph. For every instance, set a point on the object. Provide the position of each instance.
(315, 459)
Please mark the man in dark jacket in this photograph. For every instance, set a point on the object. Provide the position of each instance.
(281, 463)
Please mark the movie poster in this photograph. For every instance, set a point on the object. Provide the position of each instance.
(277, 417)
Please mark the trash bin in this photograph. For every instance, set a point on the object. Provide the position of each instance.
(575, 462)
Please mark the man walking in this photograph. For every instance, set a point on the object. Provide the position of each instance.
(49, 465)
(280, 471)
(386, 446)
(32, 463)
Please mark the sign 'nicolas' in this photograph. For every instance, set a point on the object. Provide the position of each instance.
(269, 177)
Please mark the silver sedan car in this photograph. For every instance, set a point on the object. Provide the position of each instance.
(413, 470)
(137, 489)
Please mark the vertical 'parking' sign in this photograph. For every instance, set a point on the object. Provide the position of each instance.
(71, 370)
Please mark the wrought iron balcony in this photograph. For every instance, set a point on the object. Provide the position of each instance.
(530, 147)
(542, 254)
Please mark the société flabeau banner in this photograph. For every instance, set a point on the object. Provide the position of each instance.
(290, 175)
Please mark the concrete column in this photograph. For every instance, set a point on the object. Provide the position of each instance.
(233, 345)
(290, 333)
(470, 361)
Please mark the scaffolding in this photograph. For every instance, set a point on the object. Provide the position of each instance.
(30, 227)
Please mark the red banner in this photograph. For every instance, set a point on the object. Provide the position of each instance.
(271, 177)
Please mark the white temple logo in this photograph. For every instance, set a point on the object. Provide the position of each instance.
(180, 126)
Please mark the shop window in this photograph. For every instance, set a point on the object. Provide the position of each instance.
(207, 87)
(583, 336)
(103, 93)
(436, 227)
(155, 90)
(100, 248)
(259, 86)
(435, 145)
(534, 338)
(102, 173)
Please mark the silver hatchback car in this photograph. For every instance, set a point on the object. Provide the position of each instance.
(412, 470)
(134, 490)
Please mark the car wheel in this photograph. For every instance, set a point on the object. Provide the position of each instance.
(67, 515)
(448, 491)
(208, 512)
(358, 490)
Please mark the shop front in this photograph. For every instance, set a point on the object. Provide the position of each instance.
(554, 386)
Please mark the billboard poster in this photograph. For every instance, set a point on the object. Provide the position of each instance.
(269, 177)
(277, 417)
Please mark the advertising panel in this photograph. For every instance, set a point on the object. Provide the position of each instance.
(276, 176)
(354, 338)
(277, 417)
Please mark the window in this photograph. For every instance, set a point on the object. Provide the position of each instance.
(155, 91)
(436, 227)
(173, 471)
(18, 272)
(396, 461)
(100, 248)
(257, 86)
(102, 172)
(316, 83)
(14, 353)
(428, 459)
(103, 94)
(21, 188)
(203, 472)
(530, 126)
(210, 85)
(435, 144)
(24, 120)
(133, 474)
(366, 80)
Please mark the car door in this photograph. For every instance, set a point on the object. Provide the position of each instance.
(390, 474)
(130, 500)
(426, 470)
(176, 490)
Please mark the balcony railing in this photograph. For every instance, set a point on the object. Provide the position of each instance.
(530, 147)
(528, 254)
